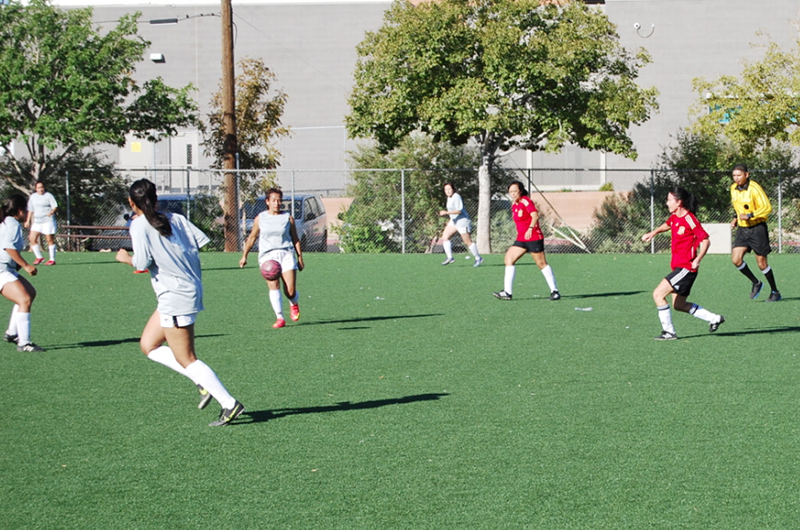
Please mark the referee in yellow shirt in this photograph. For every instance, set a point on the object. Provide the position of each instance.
(752, 207)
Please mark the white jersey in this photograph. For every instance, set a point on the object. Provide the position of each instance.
(174, 263)
(455, 203)
(10, 237)
(274, 233)
(41, 205)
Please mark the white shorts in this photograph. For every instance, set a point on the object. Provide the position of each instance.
(47, 228)
(463, 225)
(182, 321)
(286, 257)
(7, 277)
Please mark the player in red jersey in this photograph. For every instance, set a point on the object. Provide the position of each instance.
(529, 239)
(689, 245)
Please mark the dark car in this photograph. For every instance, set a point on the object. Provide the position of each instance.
(310, 219)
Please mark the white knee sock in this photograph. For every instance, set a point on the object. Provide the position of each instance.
(293, 300)
(52, 250)
(474, 249)
(276, 300)
(665, 317)
(23, 328)
(37, 251)
(12, 322)
(550, 278)
(205, 377)
(704, 314)
(448, 249)
(163, 355)
(508, 280)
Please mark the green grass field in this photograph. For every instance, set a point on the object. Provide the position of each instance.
(408, 397)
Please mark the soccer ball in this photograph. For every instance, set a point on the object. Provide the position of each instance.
(271, 270)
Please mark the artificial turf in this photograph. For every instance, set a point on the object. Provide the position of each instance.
(408, 397)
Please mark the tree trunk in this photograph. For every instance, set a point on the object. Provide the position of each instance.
(484, 239)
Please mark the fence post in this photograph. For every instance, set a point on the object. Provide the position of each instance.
(780, 211)
(652, 210)
(69, 213)
(530, 178)
(403, 210)
(188, 194)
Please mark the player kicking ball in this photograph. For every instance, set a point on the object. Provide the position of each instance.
(689, 245)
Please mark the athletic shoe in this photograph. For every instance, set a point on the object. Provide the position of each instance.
(666, 335)
(294, 312)
(555, 295)
(30, 347)
(205, 397)
(478, 262)
(38, 261)
(51, 262)
(774, 296)
(228, 415)
(10, 338)
(754, 292)
(714, 327)
(279, 323)
(502, 295)
(448, 261)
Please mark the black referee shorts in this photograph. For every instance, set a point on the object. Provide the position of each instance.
(755, 238)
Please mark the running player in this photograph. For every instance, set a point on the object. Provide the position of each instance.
(529, 239)
(459, 222)
(167, 245)
(12, 285)
(42, 220)
(689, 245)
(277, 240)
(752, 207)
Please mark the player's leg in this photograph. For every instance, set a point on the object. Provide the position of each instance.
(680, 303)
(290, 289)
(547, 271)
(35, 248)
(513, 254)
(766, 270)
(449, 231)
(660, 294)
(51, 248)
(181, 340)
(22, 293)
(472, 246)
(740, 248)
(276, 301)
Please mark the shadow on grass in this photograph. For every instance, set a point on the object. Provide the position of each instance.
(258, 416)
(785, 329)
(367, 319)
(604, 295)
(110, 342)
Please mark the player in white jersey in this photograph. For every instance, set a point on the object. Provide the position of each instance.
(168, 246)
(459, 222)
(41, 219)
(12, 285)
(277, 240)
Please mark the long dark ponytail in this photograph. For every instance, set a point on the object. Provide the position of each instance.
(12, 206)
(143, 194)
(688, 200)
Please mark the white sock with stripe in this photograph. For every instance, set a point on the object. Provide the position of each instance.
(205, 377)
(508, 280)
(448, 249)
(665, 317)
(550, 278)
(12, 322)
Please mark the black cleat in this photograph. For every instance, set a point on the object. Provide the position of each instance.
(205, 397)
(756, 290)
(774, 296)
(10, 338)
(714, 327)
(30, 347)
(502, 295)
(666, 335)
(555, 295)
(228, 415)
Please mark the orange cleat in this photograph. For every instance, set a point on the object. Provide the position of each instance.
(279, 323)
(295, 312)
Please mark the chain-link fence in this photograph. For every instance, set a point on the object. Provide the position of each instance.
(396, 210)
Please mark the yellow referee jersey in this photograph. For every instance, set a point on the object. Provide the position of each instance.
(750, 200)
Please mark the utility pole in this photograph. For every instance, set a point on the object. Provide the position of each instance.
(230, 147)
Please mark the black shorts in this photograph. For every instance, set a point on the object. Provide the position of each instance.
(531, 246)
(755, 238)
(682, 280)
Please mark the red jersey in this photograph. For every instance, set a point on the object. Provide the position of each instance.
(687, 234)
(521, 212)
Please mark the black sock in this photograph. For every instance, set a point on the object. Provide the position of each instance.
(771, 279)
(747, 272)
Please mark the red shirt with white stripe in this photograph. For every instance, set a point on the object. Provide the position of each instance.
(687, 234)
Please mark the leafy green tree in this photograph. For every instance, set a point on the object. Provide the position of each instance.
(759, 109)
(503, 74)
(65, 86)
(377, 194)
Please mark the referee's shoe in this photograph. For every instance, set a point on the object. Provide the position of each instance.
(756, 290)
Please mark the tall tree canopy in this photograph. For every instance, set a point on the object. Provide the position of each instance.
(65, 86)
(758, 109)
(506, 74)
